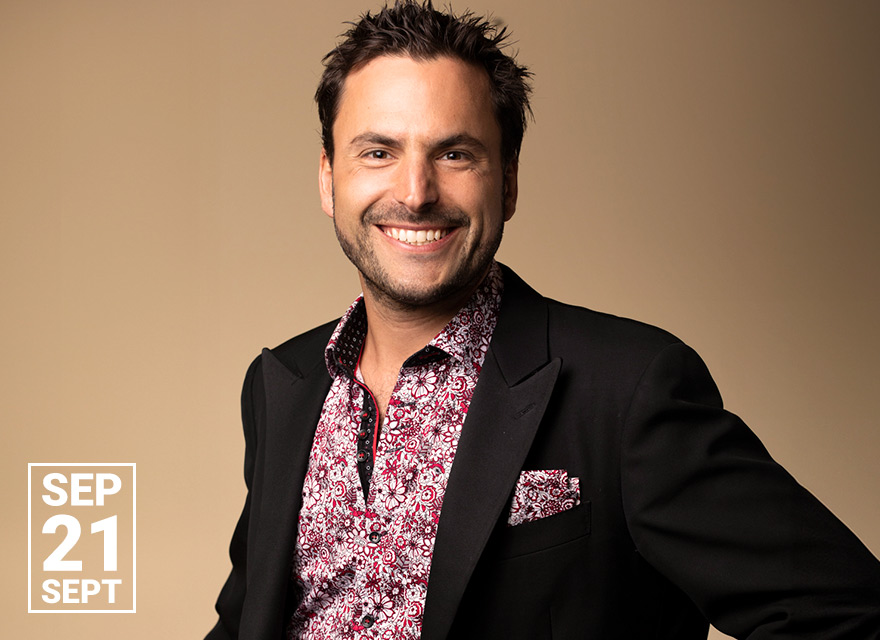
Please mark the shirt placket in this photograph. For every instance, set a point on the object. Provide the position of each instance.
(381, 524)
(366, 421)
(363, 419)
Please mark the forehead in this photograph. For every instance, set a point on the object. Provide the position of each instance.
(405, 97)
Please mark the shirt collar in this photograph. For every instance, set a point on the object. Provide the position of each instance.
(465, 337)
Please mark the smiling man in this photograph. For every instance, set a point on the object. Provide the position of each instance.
(459, 457)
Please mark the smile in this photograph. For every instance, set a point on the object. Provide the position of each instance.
(415, 237)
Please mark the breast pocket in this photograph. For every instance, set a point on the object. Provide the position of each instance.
(542, 493)
(541, 535)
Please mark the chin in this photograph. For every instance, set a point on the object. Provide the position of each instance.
(416, 294)
(409, 296)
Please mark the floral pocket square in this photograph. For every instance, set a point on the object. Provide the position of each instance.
(543, 493)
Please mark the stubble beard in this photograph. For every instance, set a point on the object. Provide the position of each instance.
(467, 274)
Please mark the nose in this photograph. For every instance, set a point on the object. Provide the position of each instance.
(416, 184)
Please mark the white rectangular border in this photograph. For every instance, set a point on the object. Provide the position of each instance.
(133, 466)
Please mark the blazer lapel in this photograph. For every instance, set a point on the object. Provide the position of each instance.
(504, 414)
(293, 406)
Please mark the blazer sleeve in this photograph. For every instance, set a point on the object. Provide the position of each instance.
(231, 599)
(708, 507)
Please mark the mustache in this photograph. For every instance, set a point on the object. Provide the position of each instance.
(436, 216)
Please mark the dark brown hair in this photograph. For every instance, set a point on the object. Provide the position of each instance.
(415, 29)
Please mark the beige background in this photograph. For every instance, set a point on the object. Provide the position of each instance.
(711, 167)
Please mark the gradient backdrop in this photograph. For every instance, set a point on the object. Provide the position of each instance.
(710, 167)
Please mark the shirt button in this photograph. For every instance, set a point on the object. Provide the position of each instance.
(362, 434)
(363, 456)
(368, 621)
(374, 536)
(365, 414)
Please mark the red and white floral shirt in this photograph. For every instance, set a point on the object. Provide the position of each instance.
(371, 501)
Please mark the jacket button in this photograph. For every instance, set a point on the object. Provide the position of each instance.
(374, 536)
(368, 621)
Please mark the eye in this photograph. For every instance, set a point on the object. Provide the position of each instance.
(377, 154)
(454, 155)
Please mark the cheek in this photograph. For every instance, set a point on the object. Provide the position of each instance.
(360, 190)
(490, 206)
(476, 195)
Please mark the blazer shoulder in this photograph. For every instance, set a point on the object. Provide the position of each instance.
(309, 341)
(598, 331)
(616, 354)
(584, 339)
(301, 353)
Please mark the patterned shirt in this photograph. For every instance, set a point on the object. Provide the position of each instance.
(372, 498)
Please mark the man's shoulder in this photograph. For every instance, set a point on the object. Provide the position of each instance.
(532, 327)
(585, 324)
(313, 340)
(604, 343)
(576, 324)
(303, 352)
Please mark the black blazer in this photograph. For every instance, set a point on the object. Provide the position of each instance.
(684, 516)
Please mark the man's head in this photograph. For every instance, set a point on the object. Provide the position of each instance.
(420, 159)
(418, 31)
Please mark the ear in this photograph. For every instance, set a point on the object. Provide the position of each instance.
(325, 183)
(511, 188)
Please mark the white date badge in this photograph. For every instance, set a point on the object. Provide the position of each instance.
(81, 537)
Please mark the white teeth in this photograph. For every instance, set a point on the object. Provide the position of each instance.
(413, 237)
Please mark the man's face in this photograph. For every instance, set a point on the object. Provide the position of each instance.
(417, 189)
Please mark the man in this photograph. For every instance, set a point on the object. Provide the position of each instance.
(458, 457)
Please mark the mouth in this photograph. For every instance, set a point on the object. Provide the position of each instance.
(415, 237)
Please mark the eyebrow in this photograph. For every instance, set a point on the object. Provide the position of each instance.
(370, 137)
(455, 140)
(461, 140)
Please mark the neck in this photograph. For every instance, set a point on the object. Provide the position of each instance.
(395, 332)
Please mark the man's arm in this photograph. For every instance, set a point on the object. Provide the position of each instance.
(231, 598)
(709, 508)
